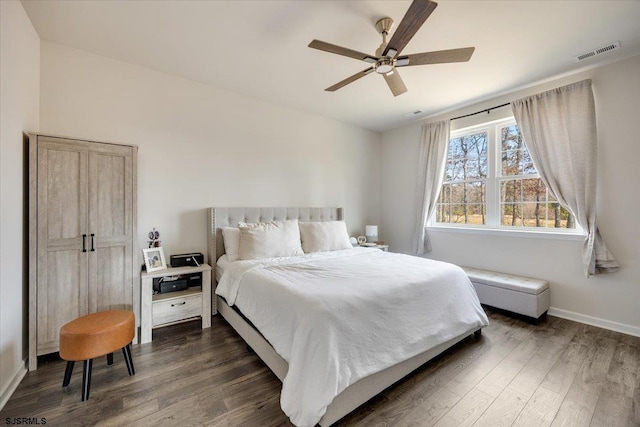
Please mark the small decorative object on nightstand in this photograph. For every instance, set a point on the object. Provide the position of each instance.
(154, 238)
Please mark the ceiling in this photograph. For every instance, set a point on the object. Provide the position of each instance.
(259, 48)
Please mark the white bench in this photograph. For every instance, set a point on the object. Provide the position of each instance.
(522, 295)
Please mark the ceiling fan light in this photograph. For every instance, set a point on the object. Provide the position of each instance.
(384, 68)
(384, 65)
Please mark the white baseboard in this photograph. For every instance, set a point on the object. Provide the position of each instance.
(13, 384)
(595, 321)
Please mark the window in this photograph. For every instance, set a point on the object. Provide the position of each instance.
(462, 198)
(490, 181)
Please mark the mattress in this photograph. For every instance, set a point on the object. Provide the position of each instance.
(337, 317)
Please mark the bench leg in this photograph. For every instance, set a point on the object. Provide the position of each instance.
(86, 378)
(67, 373)
(477, 334)
(109, 359)
(127, 358)
(542, 318)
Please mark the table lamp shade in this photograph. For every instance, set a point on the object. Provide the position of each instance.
(371, 231)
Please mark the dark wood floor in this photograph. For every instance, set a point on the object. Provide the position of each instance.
(556, 373)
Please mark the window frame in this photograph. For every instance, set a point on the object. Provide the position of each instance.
(493, 181)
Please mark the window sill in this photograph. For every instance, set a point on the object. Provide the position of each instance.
(536, 234)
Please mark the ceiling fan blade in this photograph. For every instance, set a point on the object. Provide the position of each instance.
(339, 50)
(437, 57)
(348, 80)
(417, 13)
(395, 83)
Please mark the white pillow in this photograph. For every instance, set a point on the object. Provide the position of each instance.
(269, 240)
(322, 236)
(231, 238)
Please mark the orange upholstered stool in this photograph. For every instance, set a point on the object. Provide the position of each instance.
(94, 335)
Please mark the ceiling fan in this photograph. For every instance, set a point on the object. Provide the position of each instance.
(387, 57)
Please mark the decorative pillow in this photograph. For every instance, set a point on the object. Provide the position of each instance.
(231, 238)
(322, 236)
(269, 240)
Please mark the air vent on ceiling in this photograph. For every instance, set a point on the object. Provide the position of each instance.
(413, 113)
(598, 51)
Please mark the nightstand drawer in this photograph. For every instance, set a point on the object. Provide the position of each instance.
(174, 309)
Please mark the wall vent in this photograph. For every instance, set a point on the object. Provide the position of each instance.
(598, 51)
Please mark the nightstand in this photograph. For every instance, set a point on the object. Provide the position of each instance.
(384, 248)
(171, 307)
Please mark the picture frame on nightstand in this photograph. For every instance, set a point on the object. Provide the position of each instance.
(154, 259)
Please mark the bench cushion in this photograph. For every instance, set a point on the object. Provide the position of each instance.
(507, 281)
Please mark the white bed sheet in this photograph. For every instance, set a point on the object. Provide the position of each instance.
(337, 317)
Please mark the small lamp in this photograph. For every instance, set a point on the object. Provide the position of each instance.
(371, 231)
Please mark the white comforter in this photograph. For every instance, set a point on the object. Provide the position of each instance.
(337, 317)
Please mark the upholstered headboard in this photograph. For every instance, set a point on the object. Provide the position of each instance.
(229, 217)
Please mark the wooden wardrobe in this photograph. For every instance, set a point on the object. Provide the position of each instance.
(82, 227)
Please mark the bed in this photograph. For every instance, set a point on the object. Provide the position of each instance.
(328, 365)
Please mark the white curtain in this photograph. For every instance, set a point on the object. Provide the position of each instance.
(434, 144)
(559, 129)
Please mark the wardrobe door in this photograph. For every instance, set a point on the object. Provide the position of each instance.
(110, 227)
(61, 232)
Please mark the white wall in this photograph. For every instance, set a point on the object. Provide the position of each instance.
(610, 300)
(19, 104)
(200, 146)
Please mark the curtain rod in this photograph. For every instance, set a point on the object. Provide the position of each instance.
(478, 112)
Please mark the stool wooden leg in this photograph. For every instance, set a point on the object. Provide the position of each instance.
(109, 359)
(127, 358)
(86, 378)
(67, 373)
